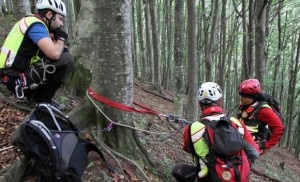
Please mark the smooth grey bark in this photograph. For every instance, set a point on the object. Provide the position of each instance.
(1, 7)
(293, 70)
(155, 41)
(141, 43)
(260, 39)
(150, 65)
(21, 8)
(179, 57)
(103, 45)
(223, 49)
(251, 41)
(211, 40)
(135, 62)
(192, 107)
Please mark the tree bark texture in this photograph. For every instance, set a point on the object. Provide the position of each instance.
(103, 45)
(192, 106)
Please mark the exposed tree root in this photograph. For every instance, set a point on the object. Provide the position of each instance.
(14, 104)
(114, 153)
(256, 171)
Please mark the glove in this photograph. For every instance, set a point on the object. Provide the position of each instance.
(60, 35)
(262, 145)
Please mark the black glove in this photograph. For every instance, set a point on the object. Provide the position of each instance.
(60, 35)
(262, 145)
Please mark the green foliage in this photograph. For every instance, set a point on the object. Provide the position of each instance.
(166, 162)
(62, 99)
(142, 123)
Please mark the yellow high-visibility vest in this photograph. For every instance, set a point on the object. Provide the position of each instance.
(13, 42)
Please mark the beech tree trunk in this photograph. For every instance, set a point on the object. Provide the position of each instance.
(103, 46)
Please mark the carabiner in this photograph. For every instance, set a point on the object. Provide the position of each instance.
(19, 91)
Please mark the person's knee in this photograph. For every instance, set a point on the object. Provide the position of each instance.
(67, 59)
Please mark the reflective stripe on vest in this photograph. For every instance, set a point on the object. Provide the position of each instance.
(197, 131)
(239, 125)
(14, 40)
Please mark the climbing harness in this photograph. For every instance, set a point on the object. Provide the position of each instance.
(21, 83)
(47, 68)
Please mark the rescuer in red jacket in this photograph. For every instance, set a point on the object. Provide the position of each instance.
(266, 127)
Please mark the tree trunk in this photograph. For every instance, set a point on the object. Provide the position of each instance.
(260, 39)
(192, 107)
(294, 68)
(211, 41)
(251, 41)
(21, 8)
(141, 43)
(179, 56)
(1, 7)
(149, 45)
(103, 45)
(155, 41)
(135, 62)
(245, 51)
(221, 68)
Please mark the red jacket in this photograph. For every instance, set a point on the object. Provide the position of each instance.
(268, 117)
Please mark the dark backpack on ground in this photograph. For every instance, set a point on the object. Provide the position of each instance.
(227, 159)
(51, 143)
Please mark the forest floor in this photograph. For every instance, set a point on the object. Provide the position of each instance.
(164, 147)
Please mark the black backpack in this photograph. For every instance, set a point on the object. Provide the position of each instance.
(227, 159)
(52, 144)
(223, 136)
(272, 102)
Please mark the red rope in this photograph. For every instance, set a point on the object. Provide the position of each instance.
(120, 106)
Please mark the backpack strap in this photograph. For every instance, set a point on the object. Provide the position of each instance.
(48, 138)
(257, 108)
(263, 131)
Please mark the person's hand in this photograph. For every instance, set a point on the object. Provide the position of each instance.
(60, 35)
(262, 145)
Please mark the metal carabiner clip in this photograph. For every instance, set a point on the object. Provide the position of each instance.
(19, 91)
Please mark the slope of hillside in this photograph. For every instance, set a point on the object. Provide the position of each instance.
(277, 164)
(162, 140)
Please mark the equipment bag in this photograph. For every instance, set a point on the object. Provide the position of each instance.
(263, 131)
(52, 144)
(227, 158)
(272, 102)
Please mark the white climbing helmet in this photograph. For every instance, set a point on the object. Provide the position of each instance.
(57, 6)
(209, 91)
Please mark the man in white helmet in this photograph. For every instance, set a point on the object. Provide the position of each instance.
(34, 61)
(209, 96)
